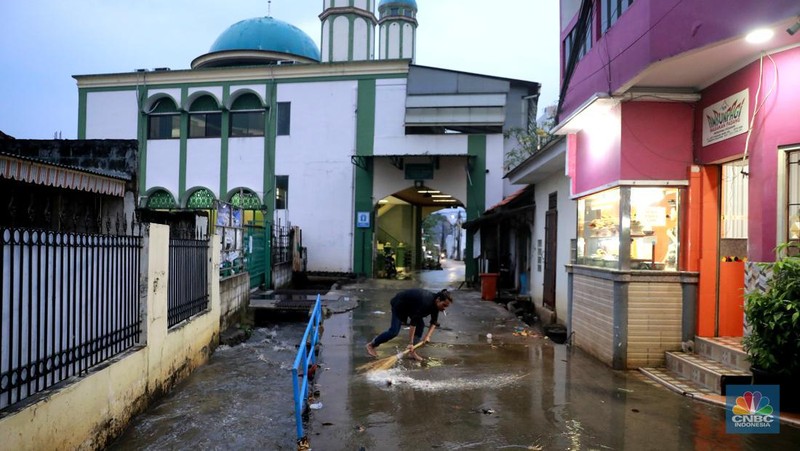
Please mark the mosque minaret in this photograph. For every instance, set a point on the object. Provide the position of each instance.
(348, 30)
(397, 29)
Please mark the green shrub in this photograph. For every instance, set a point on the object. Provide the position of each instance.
(773, 316)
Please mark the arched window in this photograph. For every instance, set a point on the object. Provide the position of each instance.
(246, 200)
(202, 199)
(164, 120)
(247, 116)
(205, 119)
(160, 200)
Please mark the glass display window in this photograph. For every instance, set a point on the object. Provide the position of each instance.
(629, 228)
(654, 228)
(598, 229)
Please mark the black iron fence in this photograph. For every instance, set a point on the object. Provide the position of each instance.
(281, 244)
(68, 302)
(188, 275)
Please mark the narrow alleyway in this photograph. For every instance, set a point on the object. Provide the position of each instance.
(515, 390)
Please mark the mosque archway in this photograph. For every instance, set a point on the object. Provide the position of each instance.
(413, 228)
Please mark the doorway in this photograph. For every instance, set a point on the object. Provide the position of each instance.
(550, 249)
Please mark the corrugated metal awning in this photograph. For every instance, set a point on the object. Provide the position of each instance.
(48, 174)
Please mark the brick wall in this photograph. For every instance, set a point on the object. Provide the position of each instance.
(630, 319)
(593, 316)
(654, 322)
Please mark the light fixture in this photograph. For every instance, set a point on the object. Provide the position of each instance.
(794, 28)
(759, 35)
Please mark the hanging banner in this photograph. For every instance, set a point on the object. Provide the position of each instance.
(726, 118)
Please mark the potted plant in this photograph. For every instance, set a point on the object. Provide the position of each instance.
(773, 317)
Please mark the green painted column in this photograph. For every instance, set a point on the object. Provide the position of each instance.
(476, 196)
(268, 198)
(82, 113)
(365, 139)
(183, 148)
(225, 134)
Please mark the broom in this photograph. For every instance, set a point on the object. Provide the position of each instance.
(387, 362)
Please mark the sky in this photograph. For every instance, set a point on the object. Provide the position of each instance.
(43, 43)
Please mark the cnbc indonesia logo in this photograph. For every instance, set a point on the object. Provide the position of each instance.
(752, 411)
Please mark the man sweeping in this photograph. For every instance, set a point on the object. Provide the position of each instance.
(410, 307)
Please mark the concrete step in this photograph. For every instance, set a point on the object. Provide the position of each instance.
(705, 372)
(726, 350)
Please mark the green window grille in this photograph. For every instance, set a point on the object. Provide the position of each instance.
(246, 200)
(161, 200)
(201, 199)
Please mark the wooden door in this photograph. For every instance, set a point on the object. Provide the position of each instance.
(550, 246)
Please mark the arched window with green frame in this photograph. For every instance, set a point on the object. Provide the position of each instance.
(164, 120)
(205, 118)
(202, 199)
(247, 116)
(160, 200)
(246, 200)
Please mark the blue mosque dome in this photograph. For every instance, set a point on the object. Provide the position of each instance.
(260, 40)
(411, 3)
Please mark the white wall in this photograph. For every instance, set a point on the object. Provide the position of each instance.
(408, 41)
(246, 164)
(111, 115)
(316, 156)
(341, 37)
(393, 40)
(203, 163)
(566, 230)
(163, 163)
(360, 44)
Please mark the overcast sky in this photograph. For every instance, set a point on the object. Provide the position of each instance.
(43, 43)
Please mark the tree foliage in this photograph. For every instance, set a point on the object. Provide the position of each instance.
(528, 141)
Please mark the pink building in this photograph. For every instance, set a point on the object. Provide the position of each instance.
(683, 153)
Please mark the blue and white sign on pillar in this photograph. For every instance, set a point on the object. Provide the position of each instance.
(362, 219)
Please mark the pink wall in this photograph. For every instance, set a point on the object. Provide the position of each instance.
(776, 125)
(634, 141)
(653, 30)
(656, 140)
(597, 156)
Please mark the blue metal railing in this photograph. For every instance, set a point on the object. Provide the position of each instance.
(306, 357)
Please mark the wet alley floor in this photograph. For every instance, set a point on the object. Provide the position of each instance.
(515, 390)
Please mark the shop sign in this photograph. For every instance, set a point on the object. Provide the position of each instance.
(726, 118)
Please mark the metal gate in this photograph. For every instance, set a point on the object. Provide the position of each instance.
(256, 252)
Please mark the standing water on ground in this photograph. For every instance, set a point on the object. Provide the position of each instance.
(486, 384)
(241, 399)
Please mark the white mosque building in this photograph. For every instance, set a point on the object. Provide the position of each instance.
(354, 143)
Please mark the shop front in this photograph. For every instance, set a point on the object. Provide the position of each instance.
(631, 297)
(630, 300)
